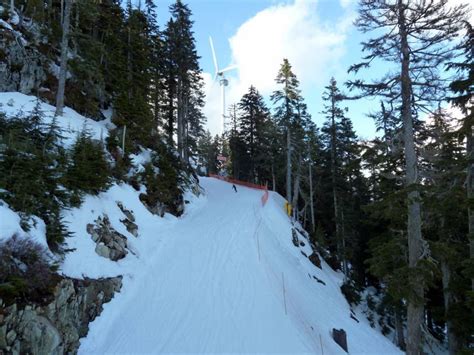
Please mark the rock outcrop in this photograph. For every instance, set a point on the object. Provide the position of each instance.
(55, 328)
(129, 220)
(110, 243)
(21, 65)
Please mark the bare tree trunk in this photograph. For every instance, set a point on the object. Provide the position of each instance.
(62, 12)
(12, 7)
(304, 215)
(453, 343)
(50, 11)
(273, 178)
(345, 268)
(470, 192)
(337, 219)
(63, 66)
(415, 310)
(74, 41)
(288, 164)
(311, 202)
(129, 62)
(179, 127)
(399, 328)
(296, 188)
(171, 114)
(184, 126)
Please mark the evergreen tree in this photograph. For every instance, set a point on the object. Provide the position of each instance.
(132, 104)
(446, 226)
(413, 36)
(463, 87)
(347, 183)
(238, 153)
(287, 99)
(209, 148)
(183, 81)
(89, 171)
(31, 169)
(253, 117)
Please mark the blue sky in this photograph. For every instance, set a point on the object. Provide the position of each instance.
(317, 36)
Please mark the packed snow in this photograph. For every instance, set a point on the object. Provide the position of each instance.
(225, 277)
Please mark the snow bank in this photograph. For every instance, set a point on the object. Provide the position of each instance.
(84, 261)
(71, 122)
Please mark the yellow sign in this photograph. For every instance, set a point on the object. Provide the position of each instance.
(288, 208)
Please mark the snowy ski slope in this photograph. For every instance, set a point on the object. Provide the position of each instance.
(212, 282)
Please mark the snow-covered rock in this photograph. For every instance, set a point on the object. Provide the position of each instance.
(110, 243)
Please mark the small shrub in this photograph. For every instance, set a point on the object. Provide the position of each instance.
(26, 271)
(32, 170)
(89, 171)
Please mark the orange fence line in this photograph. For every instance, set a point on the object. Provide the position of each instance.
(244, 183)
(238, 182)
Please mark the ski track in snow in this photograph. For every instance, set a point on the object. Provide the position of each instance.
(203, 289)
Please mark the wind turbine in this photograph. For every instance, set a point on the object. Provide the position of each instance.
(222, 79)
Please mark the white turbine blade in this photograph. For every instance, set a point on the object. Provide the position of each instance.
(214, 56)
(229, 68)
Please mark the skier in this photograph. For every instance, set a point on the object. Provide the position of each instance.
(233, 186)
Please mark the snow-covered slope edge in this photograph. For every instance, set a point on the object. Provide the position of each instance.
(217, 280)
(53, 319)
(83, 261)
(71, 122)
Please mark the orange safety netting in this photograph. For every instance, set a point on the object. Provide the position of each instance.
(244, 183)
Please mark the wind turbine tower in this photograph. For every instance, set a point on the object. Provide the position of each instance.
(223, 82)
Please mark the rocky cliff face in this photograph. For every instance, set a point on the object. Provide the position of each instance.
(55, 328)
(21, 65)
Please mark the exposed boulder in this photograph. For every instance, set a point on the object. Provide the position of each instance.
(340, 337)
(129, 221)
(126, 212)
(55, 328)
(110, 243)
(314, 258)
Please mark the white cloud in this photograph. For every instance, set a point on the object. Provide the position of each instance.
(290, 30)
(347, 3)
